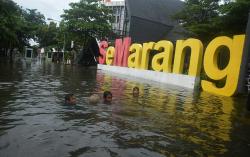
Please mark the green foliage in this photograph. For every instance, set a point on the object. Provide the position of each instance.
(34, 22)
(206, 19)
(198, 16)
(48, 35)
(17, 25)
(10, 23)
(87, 18)
(235, 17)
(68, 55)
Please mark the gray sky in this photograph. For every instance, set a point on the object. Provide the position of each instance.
(49, 8)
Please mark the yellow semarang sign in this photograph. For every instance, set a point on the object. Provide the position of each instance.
(138, 56)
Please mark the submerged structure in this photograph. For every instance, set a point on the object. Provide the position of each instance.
(142, 20)
(89, 54)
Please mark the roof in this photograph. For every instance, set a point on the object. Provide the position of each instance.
(159, 11)
(115, 3)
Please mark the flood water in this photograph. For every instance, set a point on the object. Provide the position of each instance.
(163, 121)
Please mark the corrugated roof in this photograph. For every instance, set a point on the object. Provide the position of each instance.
(160, 11)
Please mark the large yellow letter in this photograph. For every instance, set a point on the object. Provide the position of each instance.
(231, 72)
(134, 59)
(163, 61)
(195, 59)
(110, 55)
(147, 47)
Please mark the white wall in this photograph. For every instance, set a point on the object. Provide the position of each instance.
(166, 78)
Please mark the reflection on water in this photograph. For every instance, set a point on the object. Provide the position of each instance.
(163, 121)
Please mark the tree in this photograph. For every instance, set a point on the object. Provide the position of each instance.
(234, 17)
(34, 22)
(87, 18)
(11, 23)
(207, 19)
(48, 35)
(198, 18)
(17, 25)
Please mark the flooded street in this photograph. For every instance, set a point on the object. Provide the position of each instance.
(163, 121)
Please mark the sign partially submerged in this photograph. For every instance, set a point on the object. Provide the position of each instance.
(168, 64)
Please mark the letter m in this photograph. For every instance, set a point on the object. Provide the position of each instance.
(122, 52)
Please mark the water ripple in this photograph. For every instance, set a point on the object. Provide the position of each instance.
(163, 121)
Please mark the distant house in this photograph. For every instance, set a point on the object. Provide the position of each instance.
(147, 20)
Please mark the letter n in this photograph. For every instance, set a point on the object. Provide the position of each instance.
(122, 51)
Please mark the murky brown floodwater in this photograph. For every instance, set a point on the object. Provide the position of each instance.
(163, 121)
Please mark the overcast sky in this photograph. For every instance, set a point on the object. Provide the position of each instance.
(49, 8)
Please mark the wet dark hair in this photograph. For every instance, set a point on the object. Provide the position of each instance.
(68, 96)
(135, 88)
(106, 93)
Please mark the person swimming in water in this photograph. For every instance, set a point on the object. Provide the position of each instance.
(136, 91)
(70, 99)
(107, 97)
